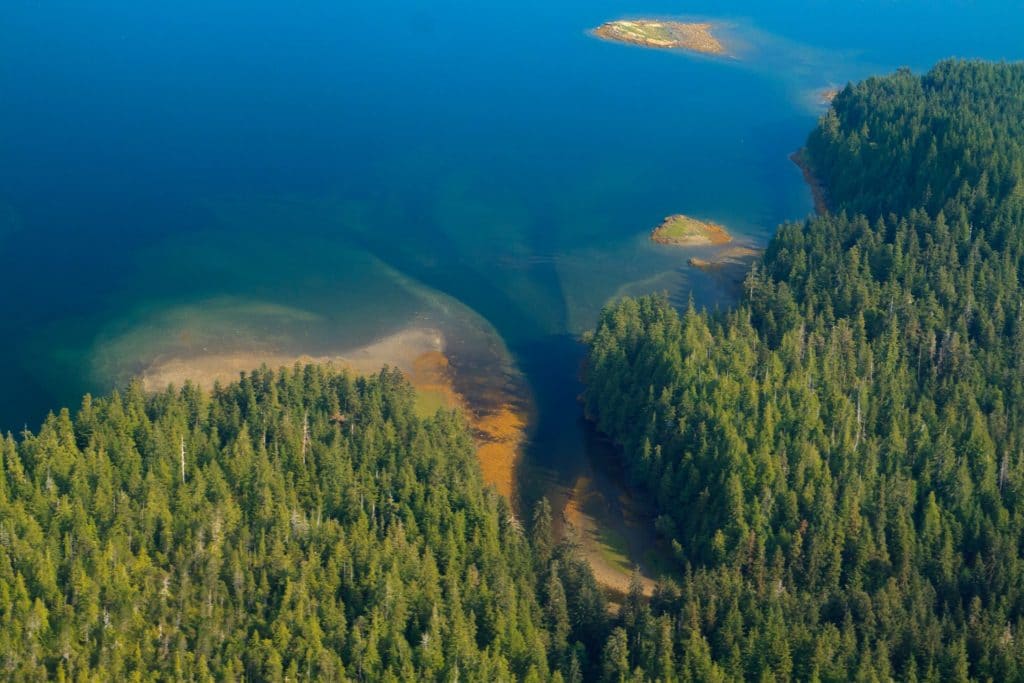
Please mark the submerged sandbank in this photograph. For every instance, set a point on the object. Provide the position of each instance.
(400, 350)
(452, 356)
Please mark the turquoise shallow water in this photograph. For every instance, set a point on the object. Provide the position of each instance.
(344, 160)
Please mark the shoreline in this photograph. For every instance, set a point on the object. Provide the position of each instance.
(207, 368)
(498, 418)
(604, 548)
(818, 192)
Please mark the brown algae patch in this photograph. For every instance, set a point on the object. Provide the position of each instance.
(684, 231)
(499, 430)
(500, 438)
(693, 36)
(826, 95)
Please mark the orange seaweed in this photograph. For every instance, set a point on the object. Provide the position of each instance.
(499, 432)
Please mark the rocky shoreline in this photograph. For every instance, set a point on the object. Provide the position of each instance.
(818, 191)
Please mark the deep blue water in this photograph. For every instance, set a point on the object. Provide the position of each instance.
(320, 156)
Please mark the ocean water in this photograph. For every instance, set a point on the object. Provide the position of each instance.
(318, 174)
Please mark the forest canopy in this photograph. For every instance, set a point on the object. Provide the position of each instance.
(837, 461)
(836, 465)
(301, 524)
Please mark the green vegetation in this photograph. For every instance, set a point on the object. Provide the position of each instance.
(428, 402)
(838, 461)
(949, 141)
(684, 230)
(300, 525)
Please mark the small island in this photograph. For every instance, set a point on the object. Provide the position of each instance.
(684, 231)
(696, 37)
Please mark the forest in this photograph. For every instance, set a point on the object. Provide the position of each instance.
(837, 460)
(836, 463)
(294, 525)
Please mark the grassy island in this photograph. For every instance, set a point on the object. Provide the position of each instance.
(685, 231)
(696, 37)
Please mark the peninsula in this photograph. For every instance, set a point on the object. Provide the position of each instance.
(684, 231)
(696, 37)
